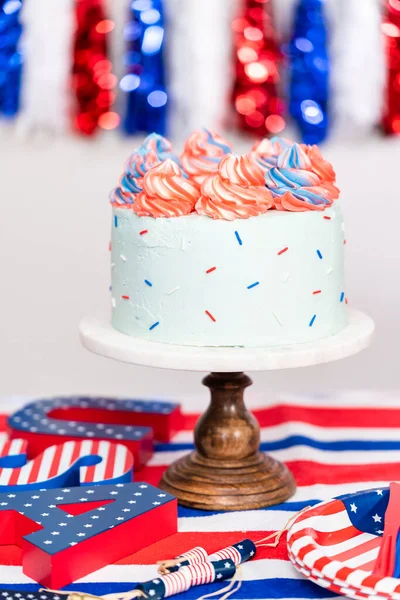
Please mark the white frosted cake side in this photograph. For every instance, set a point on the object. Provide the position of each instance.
(273, 279)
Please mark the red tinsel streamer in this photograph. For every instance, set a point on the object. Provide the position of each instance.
(93, 80)
(391, 30)
(257, 105)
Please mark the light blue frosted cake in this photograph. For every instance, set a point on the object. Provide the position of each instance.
(236, 251)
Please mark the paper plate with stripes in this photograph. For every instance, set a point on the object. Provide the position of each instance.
(336, 544)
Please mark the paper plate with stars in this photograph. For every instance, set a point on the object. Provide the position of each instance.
(336, 544)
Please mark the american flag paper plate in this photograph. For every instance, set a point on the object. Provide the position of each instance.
(348, 591)
(336, 544)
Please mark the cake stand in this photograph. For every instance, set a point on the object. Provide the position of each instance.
(226, 471)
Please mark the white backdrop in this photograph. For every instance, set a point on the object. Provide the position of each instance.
(54, 268)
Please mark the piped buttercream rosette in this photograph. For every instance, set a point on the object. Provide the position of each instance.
(236, 191)
(166, 193)
(202, 153)
(154, 150)
(295, 185)
(322, 168)
(160, 146)
(266, 152)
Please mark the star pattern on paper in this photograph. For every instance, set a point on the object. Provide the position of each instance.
(353, 508)
(377, 518)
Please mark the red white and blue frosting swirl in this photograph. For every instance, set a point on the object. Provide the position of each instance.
(202, 154)
(294, 184)
(154, 150)
(266, 152)
(160, 146)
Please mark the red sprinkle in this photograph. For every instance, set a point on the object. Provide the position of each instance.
(346, 301)
(317, 292)
(143, 231)
(328, 218)
(210, 315)
(283, 250)
(211, 270)
(125, 297)
(109, 246)
(345, 242)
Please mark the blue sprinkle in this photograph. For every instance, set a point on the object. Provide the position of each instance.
(311, 323)
(148, 282)
(238, 238)
(342, 297)
(154, 325)
(115, 221)
(110, 288)
(319, 254)
(253, 285)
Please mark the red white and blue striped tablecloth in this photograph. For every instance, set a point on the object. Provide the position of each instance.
(333, 445)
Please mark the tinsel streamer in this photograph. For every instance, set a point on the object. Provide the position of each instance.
(93, 81)
(118, 13)
(144, 82)
(309, 71)
(357, 75)
(47, 44)
(284, 12)
(11, 57)
(391, 30)
(198, 54)
(257, 57)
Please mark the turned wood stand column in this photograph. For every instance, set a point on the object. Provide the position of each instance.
(227, 471)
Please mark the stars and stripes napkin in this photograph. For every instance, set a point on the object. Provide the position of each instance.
(334, 445)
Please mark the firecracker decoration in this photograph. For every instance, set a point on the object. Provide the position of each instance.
(257, 56)
(198, 57)
(69, 464)
(144, 82)
(185, 578)
(309, 71)
(11, 57)
(84, 528)
(357, 74)
(45, 92)
(238, 553)
(93, 80)
(391, 31)
(44, 423)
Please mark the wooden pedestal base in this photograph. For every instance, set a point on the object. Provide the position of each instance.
(227, 471)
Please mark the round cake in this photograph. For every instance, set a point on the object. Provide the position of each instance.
(214, 249)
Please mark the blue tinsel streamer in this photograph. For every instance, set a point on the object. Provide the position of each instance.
(10, 57)
(309, 67)
(144, 82)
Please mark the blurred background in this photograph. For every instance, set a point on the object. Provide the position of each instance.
(83, 81)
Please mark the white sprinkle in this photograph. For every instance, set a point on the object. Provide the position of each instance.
(278, 319)
(123, 257)
(285, 277)
(112, 265)
(113, 302)
(328, 271)
(173, 291)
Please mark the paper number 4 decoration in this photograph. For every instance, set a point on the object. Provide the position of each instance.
(70, 532)
(128, 422)
(72, 463)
